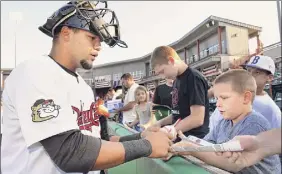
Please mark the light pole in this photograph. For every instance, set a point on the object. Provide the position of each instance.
(17, 17)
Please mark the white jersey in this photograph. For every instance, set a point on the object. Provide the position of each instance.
(40, 100)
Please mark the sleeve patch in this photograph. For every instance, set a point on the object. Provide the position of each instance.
(43, 110)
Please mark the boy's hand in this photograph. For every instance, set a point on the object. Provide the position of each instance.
(170, 130)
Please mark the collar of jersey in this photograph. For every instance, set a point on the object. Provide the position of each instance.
(64, 68)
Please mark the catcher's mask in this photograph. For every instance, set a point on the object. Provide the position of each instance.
(86, 15)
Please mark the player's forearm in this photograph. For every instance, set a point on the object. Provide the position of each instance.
(108, 156)
(189, 123)
(266, 148)
(128, 106)
(122, 152)
(165, 121)
(218, 161)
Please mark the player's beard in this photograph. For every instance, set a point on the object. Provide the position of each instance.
(85, 64)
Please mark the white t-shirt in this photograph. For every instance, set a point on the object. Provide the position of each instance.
(40, 100)
(129, 116)
(269, 109)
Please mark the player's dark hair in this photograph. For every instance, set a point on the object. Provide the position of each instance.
(58, 30)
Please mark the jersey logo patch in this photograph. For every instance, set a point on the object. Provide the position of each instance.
(43, 110)
(87, 118)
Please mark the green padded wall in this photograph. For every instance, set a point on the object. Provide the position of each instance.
(176, 165)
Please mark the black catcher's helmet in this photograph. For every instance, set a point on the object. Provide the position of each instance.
(86, 15)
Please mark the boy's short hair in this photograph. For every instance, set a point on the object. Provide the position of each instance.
(240, 80)
(161, 54)
(126, 76)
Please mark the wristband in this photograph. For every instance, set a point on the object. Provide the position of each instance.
(136, 149)
(130, 137)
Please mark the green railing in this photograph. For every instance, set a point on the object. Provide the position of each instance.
(176, 165)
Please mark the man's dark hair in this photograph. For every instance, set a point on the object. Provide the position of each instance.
(58, 30)
(126, 76)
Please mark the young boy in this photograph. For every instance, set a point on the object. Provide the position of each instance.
(235, 91)
(262, 69)
(189, 93)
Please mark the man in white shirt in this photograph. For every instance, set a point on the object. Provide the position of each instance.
(51, 123)
(129, 99)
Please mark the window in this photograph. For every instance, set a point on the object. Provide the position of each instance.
(223, 47)
(215, 48)
(210, 50)
(201, 54)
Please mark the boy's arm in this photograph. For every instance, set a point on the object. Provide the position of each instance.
(165, 121)
(218, 161)
(210, 158)
(194, 120)
(198, 95)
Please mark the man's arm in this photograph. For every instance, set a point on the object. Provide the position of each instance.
(264, 139)
(127, 107)
(194, 120)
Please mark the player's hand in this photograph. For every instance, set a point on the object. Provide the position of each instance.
(251, 154)
(114, 138)
(160, 143)
(170, 130)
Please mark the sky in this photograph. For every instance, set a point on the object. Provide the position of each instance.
(144, 25)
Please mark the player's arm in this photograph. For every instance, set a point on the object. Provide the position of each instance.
(72, 151)
(197, 107)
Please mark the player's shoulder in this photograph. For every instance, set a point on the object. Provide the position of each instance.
(33, 69)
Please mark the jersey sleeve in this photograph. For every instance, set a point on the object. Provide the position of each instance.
(42, 106)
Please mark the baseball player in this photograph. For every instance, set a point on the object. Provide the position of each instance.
(50, 121)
